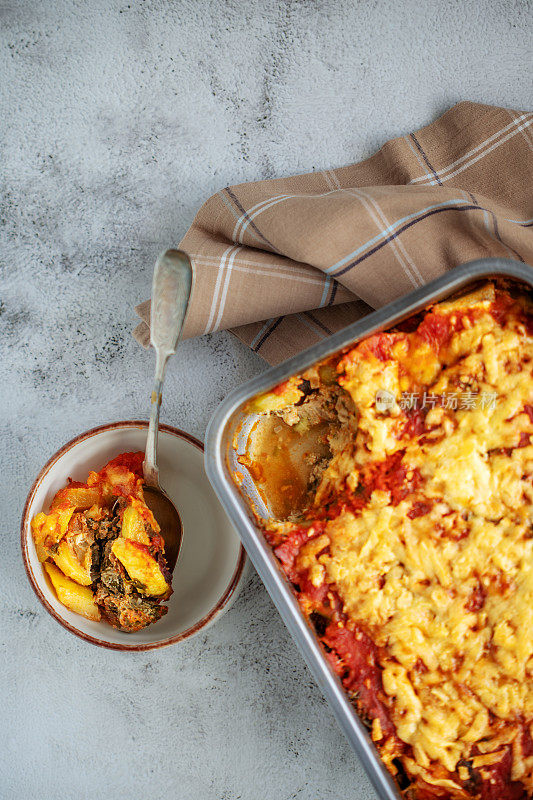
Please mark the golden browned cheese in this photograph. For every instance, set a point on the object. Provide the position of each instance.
(442, 577)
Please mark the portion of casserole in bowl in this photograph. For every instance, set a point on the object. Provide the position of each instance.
(406, 531)
(102, 550)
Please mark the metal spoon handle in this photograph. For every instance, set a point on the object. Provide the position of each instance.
(171, 290)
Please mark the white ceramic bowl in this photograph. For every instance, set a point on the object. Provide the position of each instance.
(211, 559)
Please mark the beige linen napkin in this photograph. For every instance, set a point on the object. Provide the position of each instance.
(284, 263)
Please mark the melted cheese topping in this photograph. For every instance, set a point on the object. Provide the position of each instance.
(448, 595)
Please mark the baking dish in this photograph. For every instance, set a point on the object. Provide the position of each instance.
(227, 436)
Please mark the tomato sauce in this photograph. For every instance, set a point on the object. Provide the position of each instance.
(501, 305)
(419, 509)
(288, 550)
(353, 656)
(391, 475)
(436, 330)
(497, 784)
(132, 461)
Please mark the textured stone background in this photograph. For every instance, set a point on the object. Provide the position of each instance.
(118, 119)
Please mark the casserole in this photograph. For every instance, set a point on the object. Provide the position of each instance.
(232, 431)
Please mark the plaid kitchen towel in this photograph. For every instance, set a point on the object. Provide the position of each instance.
(284, 263)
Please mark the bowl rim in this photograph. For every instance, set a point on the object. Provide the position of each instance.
(219, 606)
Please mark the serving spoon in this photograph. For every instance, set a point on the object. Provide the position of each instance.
(171, 290)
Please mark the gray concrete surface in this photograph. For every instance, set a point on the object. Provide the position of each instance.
(118, 119)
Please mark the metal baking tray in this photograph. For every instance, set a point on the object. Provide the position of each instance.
(226, 438)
